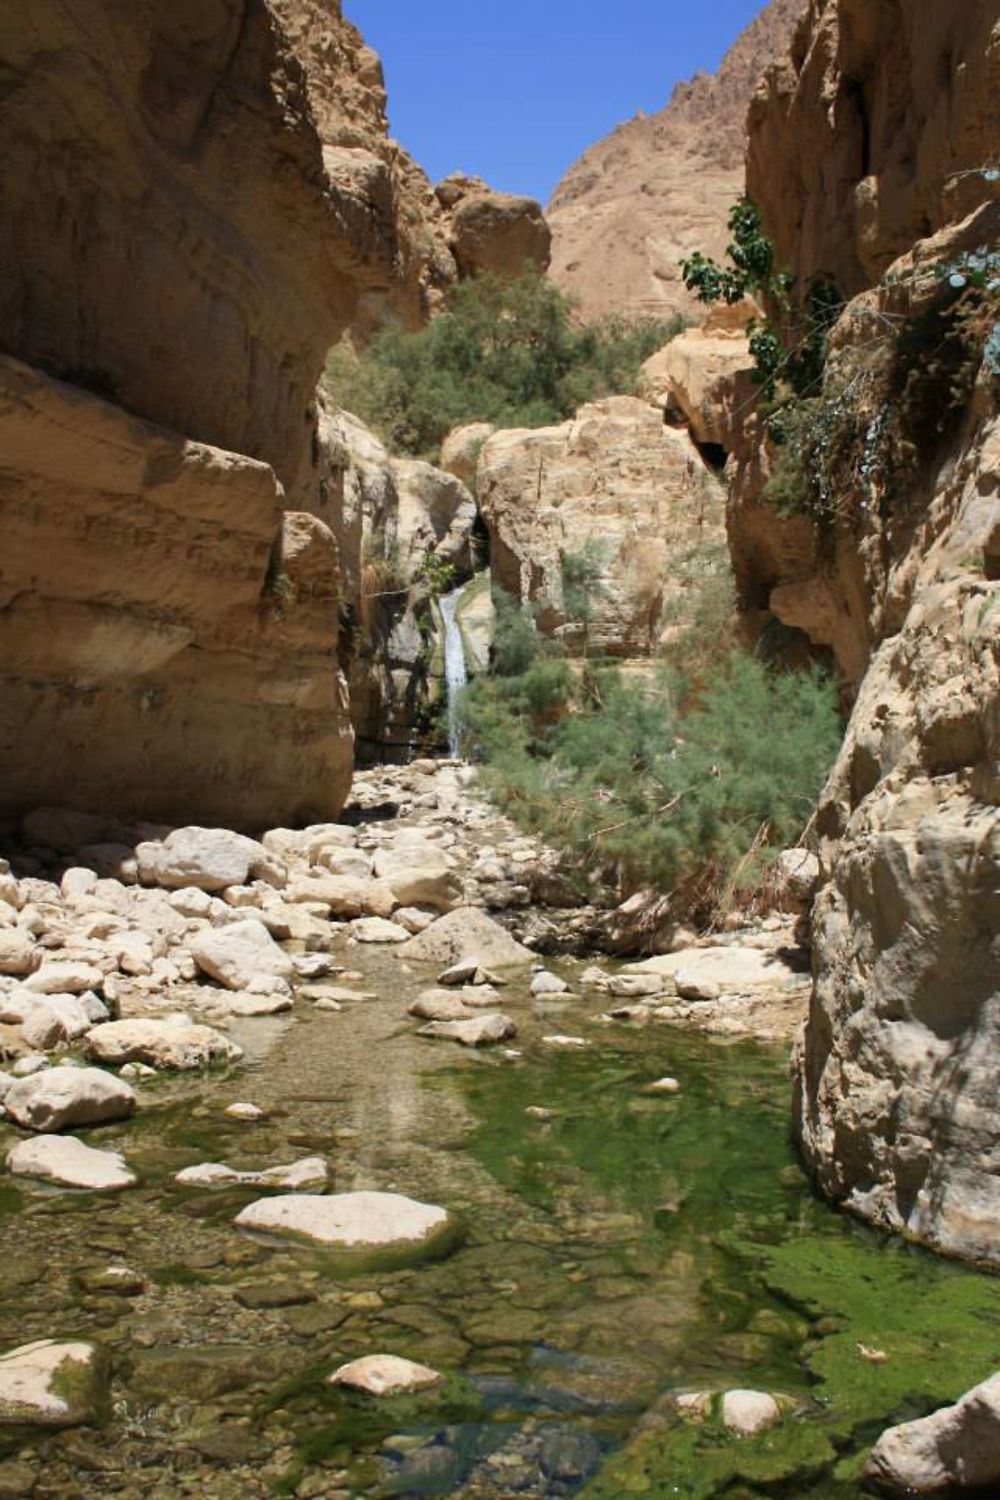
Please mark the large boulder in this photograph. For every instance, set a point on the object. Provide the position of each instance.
(706, 374)
(951, 1451)
(206, 858)
(65, 1098)
(241, 955)
(497, 232)
(618, 482)
(466, 933)
(160, 1044)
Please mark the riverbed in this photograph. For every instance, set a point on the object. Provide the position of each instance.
(620, 1245)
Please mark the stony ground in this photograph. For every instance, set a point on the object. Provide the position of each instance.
(144, 972)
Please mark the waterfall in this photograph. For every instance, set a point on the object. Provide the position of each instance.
(455, 675)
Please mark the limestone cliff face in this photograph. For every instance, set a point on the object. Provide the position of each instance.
(165, 627)
(181, 243)
(863, 140)
(613, 479)
(660, 186)
(867, 154)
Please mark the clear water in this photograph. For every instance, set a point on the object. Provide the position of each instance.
(619, 1247)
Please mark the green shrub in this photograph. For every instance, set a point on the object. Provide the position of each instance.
(611, 770)
(507, 352)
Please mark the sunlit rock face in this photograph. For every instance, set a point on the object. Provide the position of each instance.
(867, 152)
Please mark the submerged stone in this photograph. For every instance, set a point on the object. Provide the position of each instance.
(384, 1375)
(360, 1223)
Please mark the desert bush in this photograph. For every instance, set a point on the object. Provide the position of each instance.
(505, 351)
(649, 779)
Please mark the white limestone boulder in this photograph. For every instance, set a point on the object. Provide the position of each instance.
(464, 934)
(67, 1162)
(240, 955)
(209, 858)
(160, 1044)
(64, 1098)
(954, 1449)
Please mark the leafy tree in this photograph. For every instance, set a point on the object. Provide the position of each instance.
(503, 351)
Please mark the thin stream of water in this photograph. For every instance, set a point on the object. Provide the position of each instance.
(455, 672)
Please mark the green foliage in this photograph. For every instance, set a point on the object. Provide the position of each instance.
(614, 771)
(788, 348)
(438, 575)
(583, 584)
(507, 352)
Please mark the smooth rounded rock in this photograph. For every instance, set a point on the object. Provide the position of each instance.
(64, 1098)
(239, 953)
(384, 1375)
(746, 1412)
(360, 1224)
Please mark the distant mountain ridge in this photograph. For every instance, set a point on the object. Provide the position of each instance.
(660, 185)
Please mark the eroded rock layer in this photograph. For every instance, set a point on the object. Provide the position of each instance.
(875, 171)
(165, 627)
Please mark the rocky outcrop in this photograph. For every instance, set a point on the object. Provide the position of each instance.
(616, 484)
(493, 232)
(660, 186)
(867, 136)
(398, 522)
(705, 376)
(160, 656)
(867, 154)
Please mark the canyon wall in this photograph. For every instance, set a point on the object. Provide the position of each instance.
(661, 185)
(870, 153)
(199, 199)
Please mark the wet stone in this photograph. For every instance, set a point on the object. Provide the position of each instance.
(279, 1293)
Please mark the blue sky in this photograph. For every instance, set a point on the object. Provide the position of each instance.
(515, 91)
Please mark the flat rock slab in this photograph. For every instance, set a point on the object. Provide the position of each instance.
(360, 1223)
(730, 967)
(51, 1384)
(255, 1005)
(64, 1160)
(384, 1375)
(160, 1044)
(478, 1031)
(466, 933)
(308, 1174)
(64, 1098)
(439, 1005)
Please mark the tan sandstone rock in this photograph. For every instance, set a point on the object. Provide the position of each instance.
(613, 477)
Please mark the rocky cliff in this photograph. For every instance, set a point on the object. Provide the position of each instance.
(661, 185)
(615, 484)
(869, 152)
(180, 247)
